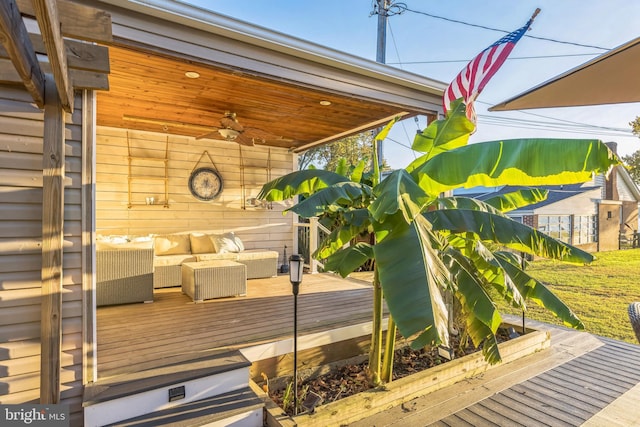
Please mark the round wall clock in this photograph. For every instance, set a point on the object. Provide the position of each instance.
(205, 183)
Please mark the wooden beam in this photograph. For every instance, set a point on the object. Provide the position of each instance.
(80, 79)
(53, 172)
(47, 16)
(15, 39)
(89, 80)
(80, 55)
(78, 21)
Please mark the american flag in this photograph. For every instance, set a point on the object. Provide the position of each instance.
(472, 79)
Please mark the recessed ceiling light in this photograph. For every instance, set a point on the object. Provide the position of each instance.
(325, 103)
(192, 74)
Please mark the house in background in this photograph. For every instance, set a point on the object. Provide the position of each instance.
(595, 216)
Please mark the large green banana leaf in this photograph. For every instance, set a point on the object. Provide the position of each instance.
(483, 319)
(517, 199)
(347, 260)
(339, 237)
(445, 134)
(505, 231)
(528, 162)
(398, 192)
(304, 182)
(332, 199)
(491, 270)
(536, 291)
(458, 202)
(412, 277)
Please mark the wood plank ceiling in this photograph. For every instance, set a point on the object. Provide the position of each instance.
(152, 93)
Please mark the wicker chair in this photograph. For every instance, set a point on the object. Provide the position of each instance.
(124, 276)
(634, 317)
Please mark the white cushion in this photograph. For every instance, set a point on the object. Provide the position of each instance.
(164, 260)
(123, 242)
(229, 256)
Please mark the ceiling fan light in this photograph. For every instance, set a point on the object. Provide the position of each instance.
(229, 134)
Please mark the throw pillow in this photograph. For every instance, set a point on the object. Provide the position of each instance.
(172, 244)
(226, 243)
(238, 242)
(201, 243)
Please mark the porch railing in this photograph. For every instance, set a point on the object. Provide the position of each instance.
(309, 235)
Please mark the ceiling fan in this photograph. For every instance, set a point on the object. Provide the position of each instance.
(230, 130)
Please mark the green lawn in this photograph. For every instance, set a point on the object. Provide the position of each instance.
(598, 293)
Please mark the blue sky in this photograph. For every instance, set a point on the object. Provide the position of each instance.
(414, 38)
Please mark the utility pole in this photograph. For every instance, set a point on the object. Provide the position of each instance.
(383, 8)
(381, 51)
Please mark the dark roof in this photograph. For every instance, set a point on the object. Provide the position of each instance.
(556, 193)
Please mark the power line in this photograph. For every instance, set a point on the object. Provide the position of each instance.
(566, 124)
(444, 61)
(395, 45)
(484, 27)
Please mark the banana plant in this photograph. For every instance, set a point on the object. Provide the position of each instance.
(426, 243)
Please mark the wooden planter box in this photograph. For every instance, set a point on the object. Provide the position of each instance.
(370, 402)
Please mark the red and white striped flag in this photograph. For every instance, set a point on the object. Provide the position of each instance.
(473, 78)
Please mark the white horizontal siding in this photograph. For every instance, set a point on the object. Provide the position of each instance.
(21, 131)
(580, 204)
(258, 228)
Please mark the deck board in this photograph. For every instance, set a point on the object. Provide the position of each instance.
(586, 389)
(554, 415)
(173, 327)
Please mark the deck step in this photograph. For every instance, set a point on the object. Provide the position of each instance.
(114, 399)
(239, 408)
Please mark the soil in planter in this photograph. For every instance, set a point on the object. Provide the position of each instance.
(352, 378)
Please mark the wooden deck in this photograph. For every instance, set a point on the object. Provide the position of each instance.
(582, 380)
(132, 337)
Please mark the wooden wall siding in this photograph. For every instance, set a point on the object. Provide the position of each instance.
(580, 204)
(21, 131)
(624, 192)
(258, 228)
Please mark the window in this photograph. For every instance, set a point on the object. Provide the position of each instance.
(556, 226)
(584, 229)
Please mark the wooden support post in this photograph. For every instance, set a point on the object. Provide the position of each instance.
(53, 159)
(49, 23)
(90, 373)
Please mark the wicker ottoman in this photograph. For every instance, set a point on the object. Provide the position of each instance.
(213, 279)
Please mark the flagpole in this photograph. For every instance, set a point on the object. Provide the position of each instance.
(535, 13)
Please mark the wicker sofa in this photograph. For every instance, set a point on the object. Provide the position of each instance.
(172, 250)
(124, 273)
